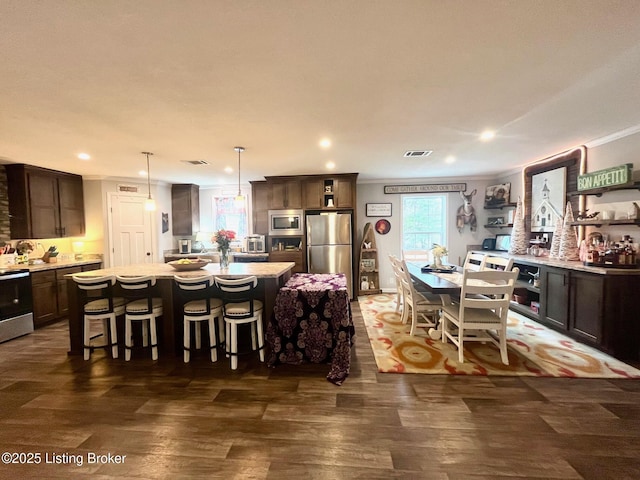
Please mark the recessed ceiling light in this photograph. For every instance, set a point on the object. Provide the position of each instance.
(84, 156)
(142, 173)
(487, 135)
(325, 143)
(450, 159)
(330, 165)
(228, 170)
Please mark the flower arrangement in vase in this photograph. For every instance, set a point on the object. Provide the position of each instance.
(438, 251)
(223, 239)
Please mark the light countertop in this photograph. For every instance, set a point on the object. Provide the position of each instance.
(164, 270)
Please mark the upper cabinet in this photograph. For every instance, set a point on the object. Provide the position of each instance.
(44, 203)
(185, 208)
(284, 193)
(260, 204)
(326, 193)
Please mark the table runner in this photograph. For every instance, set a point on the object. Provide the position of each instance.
(312, 323)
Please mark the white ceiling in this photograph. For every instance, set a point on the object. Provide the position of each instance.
(189, 80)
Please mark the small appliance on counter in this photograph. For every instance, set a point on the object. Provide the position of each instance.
(254, 244)
(184, 245)
(489, 244)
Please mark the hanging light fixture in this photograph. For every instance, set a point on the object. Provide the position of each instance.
(239, 197)
(149, 203)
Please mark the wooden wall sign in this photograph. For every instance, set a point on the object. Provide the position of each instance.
(429, 188)
(609, 177)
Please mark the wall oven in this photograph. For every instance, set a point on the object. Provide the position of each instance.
(286, 222)
(16, 304)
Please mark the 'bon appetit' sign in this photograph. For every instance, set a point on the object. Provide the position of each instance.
(609, 177)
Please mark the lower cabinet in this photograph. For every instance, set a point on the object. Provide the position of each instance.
(600, 310)
(554, 302)
(296, 256)
(49, 288)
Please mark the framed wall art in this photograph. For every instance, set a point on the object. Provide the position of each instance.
(497, 195)
(378, 210)
(549, 183)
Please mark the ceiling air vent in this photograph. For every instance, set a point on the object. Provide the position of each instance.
(418, 153)
(195, 162)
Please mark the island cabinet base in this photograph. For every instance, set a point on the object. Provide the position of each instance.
(599, 310)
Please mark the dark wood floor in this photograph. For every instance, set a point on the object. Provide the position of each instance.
(203, 421)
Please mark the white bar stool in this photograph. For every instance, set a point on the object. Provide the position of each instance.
(199, 310)
(145, 310)
(240, 307)
(101, 306)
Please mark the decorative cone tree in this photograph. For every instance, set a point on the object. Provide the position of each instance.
(569, 249)
(554, 251)
(518, 235)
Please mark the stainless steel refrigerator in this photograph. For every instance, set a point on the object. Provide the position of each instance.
(329, 244)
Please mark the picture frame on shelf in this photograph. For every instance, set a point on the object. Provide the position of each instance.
(368, 264)
(497, 195)
(496, 220)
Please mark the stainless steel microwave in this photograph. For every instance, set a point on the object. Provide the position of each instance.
(286, 222)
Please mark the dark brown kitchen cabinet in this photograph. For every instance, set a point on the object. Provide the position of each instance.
(554, 296)
(45, 297)
(312, 193)
(260, 205)
(185, 209)
(44, 203)
(49, 289)
(329, 192)
(285, 194)
(587, 307)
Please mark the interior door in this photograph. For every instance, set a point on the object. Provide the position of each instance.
(130, 232)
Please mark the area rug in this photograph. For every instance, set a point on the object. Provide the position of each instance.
(534, 350)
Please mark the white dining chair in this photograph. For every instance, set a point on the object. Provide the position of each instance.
(494, 262)
(424, 308)
(416, 256)
(145, 310)
(474, 261)
(199, 308)
(396, 275)
(482, 312)
(241, 307)
(100, 305)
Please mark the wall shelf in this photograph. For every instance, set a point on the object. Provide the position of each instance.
(500, 207)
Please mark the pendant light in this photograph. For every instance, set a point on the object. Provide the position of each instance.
(239, 197)
(149, 203)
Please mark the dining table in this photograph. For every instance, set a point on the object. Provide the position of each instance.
(312, 323)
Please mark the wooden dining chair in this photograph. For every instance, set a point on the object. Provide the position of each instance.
(100, 305)
(424, 308)
(199, 308)
(397, 273)
(145, 310)
(482, 311)
(241, 307)
(494, 262)
(474, 261)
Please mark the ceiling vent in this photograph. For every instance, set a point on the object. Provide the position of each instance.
(195, 162)
(418, 153)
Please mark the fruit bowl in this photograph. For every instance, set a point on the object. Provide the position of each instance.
(182, 266)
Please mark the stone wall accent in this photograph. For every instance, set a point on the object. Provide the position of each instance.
(5, 230)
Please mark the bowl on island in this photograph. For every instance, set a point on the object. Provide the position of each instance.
(185, 264)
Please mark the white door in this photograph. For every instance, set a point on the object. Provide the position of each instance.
(130, 230)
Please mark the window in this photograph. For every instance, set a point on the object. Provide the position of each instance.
(423, 221)
(231, 214)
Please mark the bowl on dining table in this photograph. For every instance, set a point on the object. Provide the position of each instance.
(192, 264)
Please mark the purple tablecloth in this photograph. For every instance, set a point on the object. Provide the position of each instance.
(312, 323)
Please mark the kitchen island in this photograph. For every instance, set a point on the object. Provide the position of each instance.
(271, 276)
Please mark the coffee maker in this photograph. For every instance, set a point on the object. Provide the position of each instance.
(184, 245)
